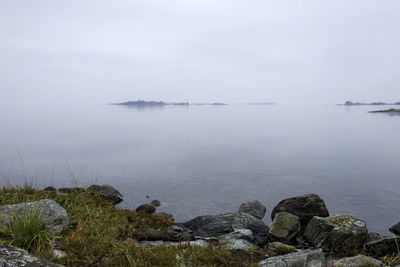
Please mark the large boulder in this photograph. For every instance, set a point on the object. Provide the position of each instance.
(395, 229)
(16, 257)
(54, 216)
(107, 192)
(146, 208)
(284, 227)
(336, 233)
(254, 208)
(305, 207)
(238, 239)
(222, 224)
(307, 258)
(356, 261)
(383, 247)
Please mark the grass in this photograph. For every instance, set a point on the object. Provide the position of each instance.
(97, 231)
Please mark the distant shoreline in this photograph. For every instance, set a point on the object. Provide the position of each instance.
(350, 103)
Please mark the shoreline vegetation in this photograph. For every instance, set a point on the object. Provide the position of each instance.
(84, 227)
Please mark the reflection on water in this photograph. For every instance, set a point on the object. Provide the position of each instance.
(208, 159)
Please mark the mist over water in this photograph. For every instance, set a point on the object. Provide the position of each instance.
(201, 160)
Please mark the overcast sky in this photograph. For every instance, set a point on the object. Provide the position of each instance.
(200, 50)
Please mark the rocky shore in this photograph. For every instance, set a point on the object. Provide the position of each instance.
(302, 232)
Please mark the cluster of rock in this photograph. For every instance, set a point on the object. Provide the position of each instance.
(302, 229)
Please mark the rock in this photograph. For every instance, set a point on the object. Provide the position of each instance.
(382, 247)
(254, 208)
(155, 203)
(284, 227)
(182, 233)
(338, 233)
(280, 248)
(238, 239)
(199, 243)
(164, 214)
(55, 217)
(305, 207)
(70, 190)
(222, 224)
(107, 192)
(50, 189)
(59, 254)
(307, 258)
(146, 208)
(15, 257)
(372, 236)
(356, 261)
(395, 229)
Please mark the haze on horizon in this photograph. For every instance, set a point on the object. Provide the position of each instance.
(199, 51)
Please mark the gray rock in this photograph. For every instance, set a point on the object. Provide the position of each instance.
(373, 236)
(238, 239)
(307, 258)
(146, 208)
(70, 190)
(59, 254)
(280, 248)
(164, 214)
(222, 224)
(155, 203)
(254, 208)
(356, 261)
(55, 217)
(336, 233)
(50, 189)
(284, 227)
(382, 247)
(15, 257)
(198, 243)
(305, 207)
(395, 229)
(107, 192)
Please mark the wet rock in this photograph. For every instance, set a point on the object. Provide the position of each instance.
(307, 258)
(238, 239)
(50, 189)
(146, 208)
(15, 257)
(55, 217)
(338, 233)
(107, 192)
(155, 203)
(395, 229)
(222, 224)
(70, 190)
(356, 261)
(284, 227)
(305, 207)
(382, 247)
(254, 208)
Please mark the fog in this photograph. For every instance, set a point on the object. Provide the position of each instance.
(232, 51)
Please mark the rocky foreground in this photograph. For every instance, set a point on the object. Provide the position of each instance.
(302, 232)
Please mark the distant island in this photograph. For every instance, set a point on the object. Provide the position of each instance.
(350, 103)
(392, 111)
(143, 103)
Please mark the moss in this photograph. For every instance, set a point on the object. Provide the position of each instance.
(97, 230)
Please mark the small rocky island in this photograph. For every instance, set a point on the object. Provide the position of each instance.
(392, 111)
(350, 103)
(143, 103)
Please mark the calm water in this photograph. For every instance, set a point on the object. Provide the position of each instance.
(206, 160)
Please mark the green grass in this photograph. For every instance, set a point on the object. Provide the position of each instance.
(97, 231)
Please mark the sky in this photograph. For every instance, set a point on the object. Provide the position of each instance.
(285, 51)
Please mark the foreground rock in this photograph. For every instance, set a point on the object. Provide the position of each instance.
(238, 239)
(313, 258)
(254, 208)
(305, 207)
(107, 192)
(356, 261)
(284, 227)
(15, 257)
(382, 247)
(337, 233)
(222, 224)
(55, 217)
(146, 208)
